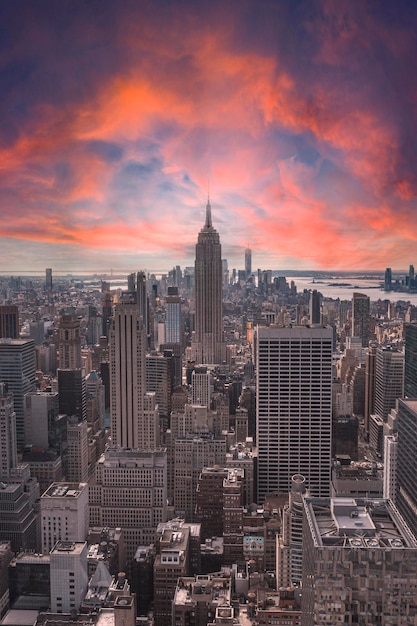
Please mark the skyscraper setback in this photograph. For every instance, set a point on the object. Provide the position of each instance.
(208, 343)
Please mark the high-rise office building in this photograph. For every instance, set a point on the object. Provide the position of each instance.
(370, 374)
(72, 392)
(143, 302)
(41, 413)
(77, 468)
(294, 408)
(18, 368)
(9, 321)
(248, 262)
(69, 575)
(410, 361)
(361, 317)
(411, 277)
(388, 279)
(314, 307)
(69, 342)
(406, 487)
(359, 563)
(201, 386)
(8, 449)
(209, 343)
(173, 322)
(64, 514)
(389, 379)
(133, 413)
(130, 492)
(48, 279)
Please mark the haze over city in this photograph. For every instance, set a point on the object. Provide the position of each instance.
(117, 119)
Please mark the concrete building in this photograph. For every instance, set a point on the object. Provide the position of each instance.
(390, 467)
(359, 563)
(197, 598)
(9, 321)
(69, 578)
(208, 344)
(64, 514)
(370, 374)
(361, 317)
(8, 446)
(30, 586)
(17, 369)
(406, 488)
(77, 467)
(191, 454)
(389, 379)
(356, 479)
(294, 408)
(6, 556)
(159, 380)
(69, 342)
(72, 392)
(133, 425)
(201, 386)
(129, 491)
(290, 542)
(177, 546)
(41, 415)
(410, 360)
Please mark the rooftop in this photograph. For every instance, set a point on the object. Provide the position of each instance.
(355, 522)
(65, 490)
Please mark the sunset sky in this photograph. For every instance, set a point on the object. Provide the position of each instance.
(116, 117)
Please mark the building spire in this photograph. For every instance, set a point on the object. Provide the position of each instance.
(208, 223)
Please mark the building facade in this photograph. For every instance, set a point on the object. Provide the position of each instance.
(209, 344)
(359, 563)
(294, 408)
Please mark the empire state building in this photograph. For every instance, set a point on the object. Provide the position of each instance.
(209, 347)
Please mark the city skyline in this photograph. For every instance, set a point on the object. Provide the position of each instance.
(117, 120)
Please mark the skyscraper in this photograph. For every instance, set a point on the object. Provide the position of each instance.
(8, 457)
(173, 322)
(209, 345)
(410, 361)
(248, 262)
(69, 339)
(406, 488)
(361, 317)
(294, 412)
(388, 279)
(314, 307)
(18, 368)
(48, 279)
(9, 321)
(134, 418)
(389, 379)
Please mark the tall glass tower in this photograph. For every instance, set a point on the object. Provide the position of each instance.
(209, 346)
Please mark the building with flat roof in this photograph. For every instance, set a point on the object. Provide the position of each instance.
(129, 491)
(18, 370)
(69, 577)
(294, 408)
(64, 514)
(197, 598)
(359, 563)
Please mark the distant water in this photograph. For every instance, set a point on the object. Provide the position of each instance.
(343, 288)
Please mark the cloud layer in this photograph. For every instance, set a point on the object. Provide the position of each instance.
(301, 115)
